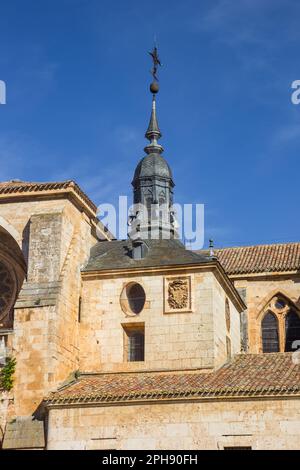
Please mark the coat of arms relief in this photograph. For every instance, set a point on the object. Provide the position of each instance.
(178, 294)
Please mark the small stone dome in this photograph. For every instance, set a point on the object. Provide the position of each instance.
(153, 165)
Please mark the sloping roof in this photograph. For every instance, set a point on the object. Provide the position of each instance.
(254, 375)
(278, 257)
(26, 187)
(116, 254)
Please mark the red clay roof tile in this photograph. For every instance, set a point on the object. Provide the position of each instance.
(17, 186)
(259, 258)
(247, 375)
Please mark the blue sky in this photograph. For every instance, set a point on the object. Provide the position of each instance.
(77, 76)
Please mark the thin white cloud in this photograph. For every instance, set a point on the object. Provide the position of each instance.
(287, 134)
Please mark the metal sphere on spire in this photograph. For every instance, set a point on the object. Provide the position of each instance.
(154, 87)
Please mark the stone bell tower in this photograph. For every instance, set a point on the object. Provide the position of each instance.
(153, 181)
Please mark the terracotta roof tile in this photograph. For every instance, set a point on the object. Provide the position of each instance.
(247, 375)
(17, 187)
(259, 258)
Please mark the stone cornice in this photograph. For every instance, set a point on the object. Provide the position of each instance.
(192, 396)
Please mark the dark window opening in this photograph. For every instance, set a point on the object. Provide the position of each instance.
(270, 339)
(134, 342)
(280, 304)
(136, 349)
(292, 330)
(136, 298)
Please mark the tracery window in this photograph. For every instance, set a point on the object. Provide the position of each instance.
(7, 289)
(280, 326)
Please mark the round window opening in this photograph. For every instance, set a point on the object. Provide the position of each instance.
(280, 304)
(133, 298)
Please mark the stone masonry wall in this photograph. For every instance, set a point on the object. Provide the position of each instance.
(57, 238)
(261, 424)
(181, 340)
(220, 328)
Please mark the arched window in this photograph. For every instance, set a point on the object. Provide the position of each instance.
(292, 330)
(7, 296)
(270, 339)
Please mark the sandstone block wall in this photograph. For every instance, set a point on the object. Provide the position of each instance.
(181, 340)
(56, 239)
(261, 424)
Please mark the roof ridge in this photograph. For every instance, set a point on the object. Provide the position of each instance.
(254, 246)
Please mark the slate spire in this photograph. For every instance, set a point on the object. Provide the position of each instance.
(153, 133)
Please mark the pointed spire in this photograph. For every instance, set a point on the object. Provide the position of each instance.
(153, 133)
(153, 128)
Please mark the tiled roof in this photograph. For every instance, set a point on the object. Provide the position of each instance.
(259, 258)
(248, 375)
(25, 187)
(117, 255)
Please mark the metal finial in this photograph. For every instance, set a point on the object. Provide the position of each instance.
(154, 87)
(153, 133)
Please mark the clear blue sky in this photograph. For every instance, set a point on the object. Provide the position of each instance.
(77, 75)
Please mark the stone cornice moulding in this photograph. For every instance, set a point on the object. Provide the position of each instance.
(85, 403)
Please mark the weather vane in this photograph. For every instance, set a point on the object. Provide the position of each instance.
(156, 62)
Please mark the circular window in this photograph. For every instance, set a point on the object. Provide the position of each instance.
(133, 298)
(280, 304)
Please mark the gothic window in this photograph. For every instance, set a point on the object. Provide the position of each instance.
(292, 330)
(7, 288)
(270, 338)
(280, 326)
